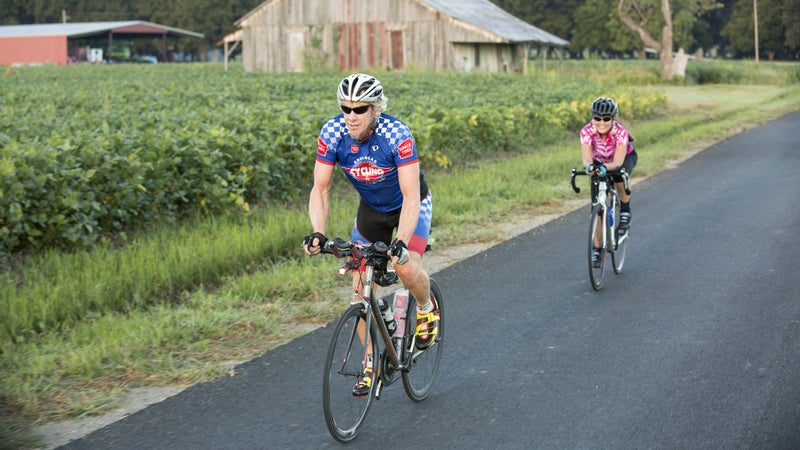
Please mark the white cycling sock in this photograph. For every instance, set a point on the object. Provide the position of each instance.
(428, 308)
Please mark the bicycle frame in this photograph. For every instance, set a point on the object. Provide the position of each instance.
(371, 304)
(607, 200)
(374, 256)
(608, 238)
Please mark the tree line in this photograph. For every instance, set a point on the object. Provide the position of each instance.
(723, 29)
(593, 27)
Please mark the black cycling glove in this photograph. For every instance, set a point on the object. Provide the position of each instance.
(309, 240)
(399, 249)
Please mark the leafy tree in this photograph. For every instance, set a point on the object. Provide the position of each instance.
(638, 15)
(778, 27)
(599, 29)
(771, 30)
(706, 29)
(791, 21)
(554, 16)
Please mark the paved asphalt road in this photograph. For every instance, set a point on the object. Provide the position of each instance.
(695, 345)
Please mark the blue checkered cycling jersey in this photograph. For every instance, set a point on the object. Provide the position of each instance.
(371, 166)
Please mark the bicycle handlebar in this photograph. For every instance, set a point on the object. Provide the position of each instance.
(340, 248)
(621, 172)
(359, 251)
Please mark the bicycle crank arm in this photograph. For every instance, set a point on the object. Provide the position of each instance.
(378, 387)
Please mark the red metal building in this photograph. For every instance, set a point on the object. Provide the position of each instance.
(48, 43)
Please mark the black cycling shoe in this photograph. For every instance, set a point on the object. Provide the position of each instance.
(596, 259)
(624, 222)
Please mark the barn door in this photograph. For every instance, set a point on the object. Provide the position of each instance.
(396, 42)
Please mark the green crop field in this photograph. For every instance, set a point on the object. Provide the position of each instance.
(93, 150)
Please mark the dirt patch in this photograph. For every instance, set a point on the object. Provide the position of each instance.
(59, 433)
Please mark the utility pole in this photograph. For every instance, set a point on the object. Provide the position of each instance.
(63, 16)
(755, 21)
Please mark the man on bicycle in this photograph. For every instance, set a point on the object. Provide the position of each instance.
(607, 145)
(378, 155)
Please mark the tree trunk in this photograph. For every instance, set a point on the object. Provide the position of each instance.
(664, 48)
(665, 56)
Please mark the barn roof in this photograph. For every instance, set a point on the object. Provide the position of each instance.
(86, 29)
(481, 14)
(490, 17)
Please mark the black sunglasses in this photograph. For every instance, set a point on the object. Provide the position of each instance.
(604, 119)
(358, 109)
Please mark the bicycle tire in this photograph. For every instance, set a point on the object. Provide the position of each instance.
(424, 366)
(345, 413)
(596, 273)
(618, 256)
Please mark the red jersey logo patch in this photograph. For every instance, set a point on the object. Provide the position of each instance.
(322, 148)
(406, 149)
(354, 148)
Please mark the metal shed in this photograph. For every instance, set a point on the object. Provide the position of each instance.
(48, 43)
(462, 35)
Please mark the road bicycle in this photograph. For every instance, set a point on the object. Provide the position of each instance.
(604, 221)
(362, 335)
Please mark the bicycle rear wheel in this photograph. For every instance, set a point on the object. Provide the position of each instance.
(424, 365)
(345, 362)
(596, 272)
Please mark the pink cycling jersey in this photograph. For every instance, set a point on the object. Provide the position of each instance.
(603, 147)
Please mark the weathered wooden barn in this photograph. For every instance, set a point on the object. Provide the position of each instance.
(461, 35)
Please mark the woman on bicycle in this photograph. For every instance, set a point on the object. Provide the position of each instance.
(606, 145)
(378, 155)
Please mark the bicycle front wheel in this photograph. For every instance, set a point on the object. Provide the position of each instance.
(618, 257)
(352, 346)
(596, 269)
(424, 364)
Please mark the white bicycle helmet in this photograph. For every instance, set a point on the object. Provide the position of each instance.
(360, 87)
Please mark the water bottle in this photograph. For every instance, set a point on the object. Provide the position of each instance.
(400, 305)
(388, 315)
